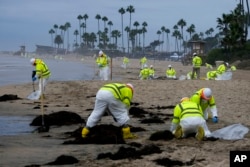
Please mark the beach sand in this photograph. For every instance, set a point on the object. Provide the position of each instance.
(232, 99)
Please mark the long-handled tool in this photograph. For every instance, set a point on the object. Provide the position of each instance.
(33, 84)
(43, 128)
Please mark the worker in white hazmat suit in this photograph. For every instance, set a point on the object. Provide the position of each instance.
(114, 98)
(103, 64)
(188, 119)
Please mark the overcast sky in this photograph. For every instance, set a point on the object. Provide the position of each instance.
(27, 22)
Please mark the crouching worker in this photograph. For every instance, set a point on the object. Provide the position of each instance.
(114, 98)
(188, 119)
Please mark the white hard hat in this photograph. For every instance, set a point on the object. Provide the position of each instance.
(100, 53)
(194, 54)
(32, 60)
(169, 65)
(130, 86)
(151, 66)
(206, 93)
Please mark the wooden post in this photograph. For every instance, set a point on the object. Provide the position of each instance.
(111, 68)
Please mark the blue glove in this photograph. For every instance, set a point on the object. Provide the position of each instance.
(215, 119)
(33, 78)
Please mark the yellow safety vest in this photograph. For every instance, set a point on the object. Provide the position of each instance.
(125, 60)
(170, 72)
(145, 73)
(221, 69)
(42, 70)
(120, 92)
(186, 109)
(102, 61)
(197, 62)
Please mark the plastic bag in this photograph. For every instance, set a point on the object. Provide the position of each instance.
(225, 76)
(34, 95)
(231, 132)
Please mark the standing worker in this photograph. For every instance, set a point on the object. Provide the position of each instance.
(115, 98)
(143, 62)
(103, 64)
(188, 119)
(125, 62)
(170, 72)
(197, 62)
(41, 72)
(204, 98)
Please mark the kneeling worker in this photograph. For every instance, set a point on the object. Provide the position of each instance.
(188, 119)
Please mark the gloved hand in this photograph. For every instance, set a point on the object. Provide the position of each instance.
(215, 119)
(100, 65)
(33, 78)
(33, 74)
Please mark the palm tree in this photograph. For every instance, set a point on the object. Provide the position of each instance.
(191, 30)
(144, 30)
(104, 19)
(247, 16)
(51, 32)
(177, 35)
(76, 33)
(85, 17)
(163, 29)
(55, 27)
(140, 31)
(122, 11)
(136, 24)
(79, 17)
(127, 30)
(116, 34)
(211, 30)
(110, 23)
(67, 26)
(81, 35)
(98, 17)
(182, 23)
(232, 26)
(159, 34)
(63, 29)
(92, 39)
(167, 43)
(58, 40)
(131, 10)
(201, 35)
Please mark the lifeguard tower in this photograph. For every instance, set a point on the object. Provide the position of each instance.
(196, 47)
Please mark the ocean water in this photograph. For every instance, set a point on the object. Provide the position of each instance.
(18, 70)
(15, 125)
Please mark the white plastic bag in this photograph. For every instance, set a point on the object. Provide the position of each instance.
(225, 76)
(34, 95)
(231, 132)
